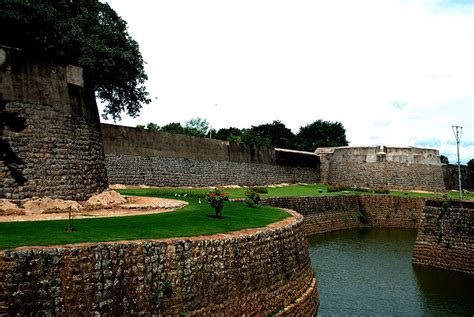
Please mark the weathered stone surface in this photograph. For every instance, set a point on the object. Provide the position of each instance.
(450, 173)
(139, 156)
(251, 274)
(332, 213)
(167, 171)
(446, 237)
(382, 167)
(50, 137)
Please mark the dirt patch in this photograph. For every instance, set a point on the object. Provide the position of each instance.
(108, 198)
(5, 205)
(9, 208)
(118, 186)
(46, 204)
(56, 209)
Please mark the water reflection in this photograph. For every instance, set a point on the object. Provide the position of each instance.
(368, 272)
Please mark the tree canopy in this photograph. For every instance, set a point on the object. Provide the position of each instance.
(89, 34)
(276, 132)
(444, 159)
(196, 127)
(320, 133)
(470, 164)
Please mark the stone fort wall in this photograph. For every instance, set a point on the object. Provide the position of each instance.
(50, 139)
(446, 236)
(332, 213)
(139, 156)
(386, 167)
(450, 173)
(267, 272)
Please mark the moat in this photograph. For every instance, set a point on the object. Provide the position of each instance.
(368, 272)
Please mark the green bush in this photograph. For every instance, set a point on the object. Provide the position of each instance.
(260, 190)
(252, 198)
(381, 191)
(338, 188)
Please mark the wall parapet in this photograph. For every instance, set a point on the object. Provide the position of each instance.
(255, 273)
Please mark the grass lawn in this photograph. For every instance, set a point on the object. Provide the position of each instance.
(191, 220)
(292, 190)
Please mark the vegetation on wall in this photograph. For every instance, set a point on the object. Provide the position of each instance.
(320, 133)
(89, 34)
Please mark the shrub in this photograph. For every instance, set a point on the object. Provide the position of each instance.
(252, 198)
(338, 188)
(216, 199)
(363, 190)
(260, 190)
(381, 191)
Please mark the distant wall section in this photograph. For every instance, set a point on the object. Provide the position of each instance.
(388, 167)
(450, 174)
(139, 156)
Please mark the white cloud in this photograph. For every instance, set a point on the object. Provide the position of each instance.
(299, 61)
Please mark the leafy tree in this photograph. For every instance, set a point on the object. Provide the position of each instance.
(174, 127)
(320, 134)
(444, 159)
(89, 34)
(235, 138)
(229, 134)
(153, 127)
(252, 137)
(196, 127)
(211, 133)
(470, 164)
(140, 126)
(277, 132)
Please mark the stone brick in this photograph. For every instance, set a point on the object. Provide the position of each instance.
(446, 237)
(52, 133)
(248, 274)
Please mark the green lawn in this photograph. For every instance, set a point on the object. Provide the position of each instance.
(191, 220)
(292, 190)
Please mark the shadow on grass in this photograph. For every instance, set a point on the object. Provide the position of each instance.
(217, 217)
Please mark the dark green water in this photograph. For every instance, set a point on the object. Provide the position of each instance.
(368, 272)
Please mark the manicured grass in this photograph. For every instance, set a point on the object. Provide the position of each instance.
(292, 190)
(191, 220)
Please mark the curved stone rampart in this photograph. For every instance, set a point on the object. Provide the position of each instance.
(446, 236)
(399, 168)
(256, 272)
(50, 137)
(331, 213)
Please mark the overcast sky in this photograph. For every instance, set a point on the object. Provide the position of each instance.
(397, 73)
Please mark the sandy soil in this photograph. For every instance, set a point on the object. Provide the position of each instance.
(49, 209)
(122, 186)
